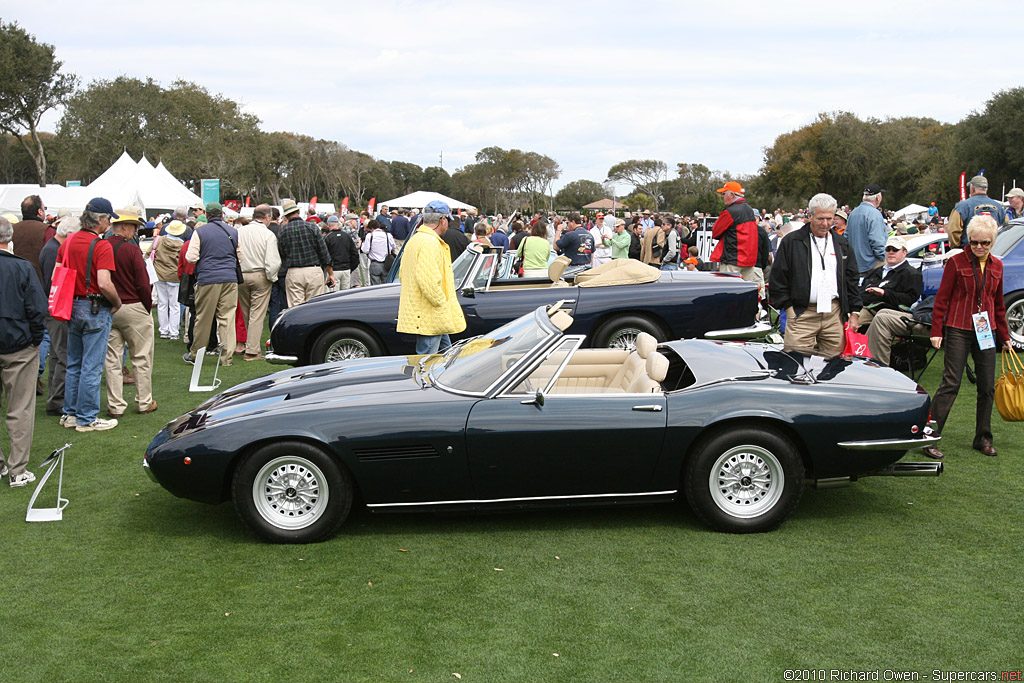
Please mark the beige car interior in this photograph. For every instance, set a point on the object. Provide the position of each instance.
(597, 371)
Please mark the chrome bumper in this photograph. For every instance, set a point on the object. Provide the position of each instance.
(890, 444)
(754, 331)
(149, 470)
(277, 359)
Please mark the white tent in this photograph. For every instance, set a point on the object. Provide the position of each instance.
(911, 211)
(55, 197)
(420, 198)
(148, 187)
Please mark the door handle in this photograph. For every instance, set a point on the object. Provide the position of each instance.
(649, 408)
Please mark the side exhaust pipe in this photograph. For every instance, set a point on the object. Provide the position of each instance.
(909, 469)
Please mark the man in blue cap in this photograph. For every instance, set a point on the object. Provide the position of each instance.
(96, 301)
(428, 306)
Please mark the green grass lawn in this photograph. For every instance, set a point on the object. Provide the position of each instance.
(901, 574)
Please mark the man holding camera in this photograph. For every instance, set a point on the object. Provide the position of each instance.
(92, 313)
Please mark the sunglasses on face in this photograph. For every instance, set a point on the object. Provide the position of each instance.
(980, 243)
(892, 249)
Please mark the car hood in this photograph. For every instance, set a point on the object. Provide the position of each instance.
(317, 384)
(372, 292)
(712, 361)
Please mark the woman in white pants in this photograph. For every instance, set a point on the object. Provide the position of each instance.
(165, 262)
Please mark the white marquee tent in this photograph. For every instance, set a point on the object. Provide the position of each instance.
(911, 212)
(125, 183)
(420, 198)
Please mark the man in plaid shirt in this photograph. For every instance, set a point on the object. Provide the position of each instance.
(305, 255)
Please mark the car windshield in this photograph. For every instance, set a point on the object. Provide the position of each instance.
(1007, 240)
(477, 363)
(462, 264)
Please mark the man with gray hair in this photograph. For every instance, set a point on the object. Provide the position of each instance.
(977, 204)
(57, 329)
(866, 231)
(22, 308)
(92, 313)
(814, 280)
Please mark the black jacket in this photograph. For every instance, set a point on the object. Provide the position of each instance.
(790, 281)
(456, 241)
(342, 248)
(902, 287)
(22, 306)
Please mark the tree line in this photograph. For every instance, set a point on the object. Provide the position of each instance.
(198, 134)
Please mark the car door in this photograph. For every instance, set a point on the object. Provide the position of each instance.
(569, 445)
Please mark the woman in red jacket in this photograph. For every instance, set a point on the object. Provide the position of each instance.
(969, 311)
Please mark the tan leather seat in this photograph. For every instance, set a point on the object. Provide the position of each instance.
(556, 269)
(649, 382)
(635, 362)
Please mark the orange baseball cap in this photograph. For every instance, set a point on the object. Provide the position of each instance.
(731, 186)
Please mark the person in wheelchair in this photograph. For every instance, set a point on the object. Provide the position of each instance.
(888, 291)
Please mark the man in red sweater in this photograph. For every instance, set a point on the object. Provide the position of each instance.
(133, 322)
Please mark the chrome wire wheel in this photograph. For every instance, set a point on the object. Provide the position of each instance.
(746, 481)
(346, 349)
(290, 492)
(624, 338)
(1015, 321)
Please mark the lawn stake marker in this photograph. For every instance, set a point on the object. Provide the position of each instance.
(49, 514)
(197, 367)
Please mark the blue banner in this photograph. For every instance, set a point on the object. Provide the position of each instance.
(74, 183)
(211, 190)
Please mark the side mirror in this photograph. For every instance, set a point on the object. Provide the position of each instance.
(537, 400)
(469, 293)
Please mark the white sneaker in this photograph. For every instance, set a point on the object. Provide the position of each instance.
(68, 421)
(25, 477)
(4, 471)
(97, 425)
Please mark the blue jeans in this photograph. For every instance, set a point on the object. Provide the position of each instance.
(44, 351)
(669, 266)
(87, 347)
(278, 300)
(434, 344)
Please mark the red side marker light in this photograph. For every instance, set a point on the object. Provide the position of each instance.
(188, 460)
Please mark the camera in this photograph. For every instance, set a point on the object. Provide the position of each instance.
(97, 300)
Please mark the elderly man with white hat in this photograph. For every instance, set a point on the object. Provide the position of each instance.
(888, 292)
(165, 253)
(133, 321)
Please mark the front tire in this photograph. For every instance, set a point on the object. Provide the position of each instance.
(292, 492)
(744, 480)
(1015, 319)
(344, 342)
(621, 333)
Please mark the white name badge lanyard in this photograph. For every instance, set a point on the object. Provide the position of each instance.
(982, 325)
(824, 304)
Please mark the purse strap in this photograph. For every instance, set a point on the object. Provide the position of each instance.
(1016, 365)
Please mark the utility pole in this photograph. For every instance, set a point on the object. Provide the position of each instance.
(442, 158)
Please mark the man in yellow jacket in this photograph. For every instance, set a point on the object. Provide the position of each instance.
(428, 306)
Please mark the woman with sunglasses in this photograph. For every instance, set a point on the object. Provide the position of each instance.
(968, 309)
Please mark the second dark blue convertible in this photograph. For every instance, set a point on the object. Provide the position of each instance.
(610, 311)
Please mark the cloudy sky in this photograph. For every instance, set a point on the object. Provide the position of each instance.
(586, 83)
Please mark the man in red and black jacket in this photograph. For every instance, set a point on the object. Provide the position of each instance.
(736, 232)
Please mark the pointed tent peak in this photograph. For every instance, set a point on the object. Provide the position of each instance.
(144, 162)
(118, 173)
(160, 166)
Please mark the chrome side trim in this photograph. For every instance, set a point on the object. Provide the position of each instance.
(278, 359)
(890, 444)
(520, 500)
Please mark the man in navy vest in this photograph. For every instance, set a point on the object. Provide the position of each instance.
(215, 251)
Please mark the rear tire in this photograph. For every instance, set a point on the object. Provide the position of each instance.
(344, 342)
(744, 480)
(621, 333)
(292, 492)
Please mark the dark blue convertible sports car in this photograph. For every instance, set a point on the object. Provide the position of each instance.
(360, 323)
(526, 416)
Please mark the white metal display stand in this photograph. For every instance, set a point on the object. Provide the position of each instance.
(197, 367)
(50, 514)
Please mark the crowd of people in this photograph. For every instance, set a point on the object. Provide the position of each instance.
(215, 281)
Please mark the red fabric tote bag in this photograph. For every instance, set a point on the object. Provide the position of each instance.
(62, 292)
(856, 344)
